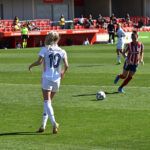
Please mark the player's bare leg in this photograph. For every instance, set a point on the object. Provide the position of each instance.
(126, 81)
(48, 111)
(56, 125)
(118, 51)
(121, 76)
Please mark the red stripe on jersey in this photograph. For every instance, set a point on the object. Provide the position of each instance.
(136, 56)
(134, 52)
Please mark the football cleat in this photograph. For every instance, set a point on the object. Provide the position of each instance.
(55, 128)
(120, 90)
(119, 62)
(41, 129)
(116, 79)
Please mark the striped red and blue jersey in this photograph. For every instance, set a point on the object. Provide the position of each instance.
(134, 52)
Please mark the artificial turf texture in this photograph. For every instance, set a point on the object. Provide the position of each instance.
(120, 122)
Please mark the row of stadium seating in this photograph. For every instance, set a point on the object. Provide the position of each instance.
(136, 19)
(10, 29)
(47, 24)
(39, 22)
(126, 29)
(133, 21)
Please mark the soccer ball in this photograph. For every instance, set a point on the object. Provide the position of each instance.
(100, 95)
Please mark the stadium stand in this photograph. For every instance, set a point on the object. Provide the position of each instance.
(40, 28)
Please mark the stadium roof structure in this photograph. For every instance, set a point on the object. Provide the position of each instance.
(52, 9)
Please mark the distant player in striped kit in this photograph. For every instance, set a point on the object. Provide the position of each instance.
(133, 53)
(120, 44)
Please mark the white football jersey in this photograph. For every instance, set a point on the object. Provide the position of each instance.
(121, 35)
(53, 57)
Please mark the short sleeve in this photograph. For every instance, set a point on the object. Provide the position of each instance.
(42, 52)
(64, 54)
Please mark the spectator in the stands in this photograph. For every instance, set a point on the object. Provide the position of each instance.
(1, 24)
(16, 20)
(62, 22)
(16, 24)
(81, 20)
(89, 22)
(113, 19)
(16, 27)
(127, 18)
(140, 23)
(31, 26)
(100, 21)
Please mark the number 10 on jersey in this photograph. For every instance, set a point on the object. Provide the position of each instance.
(54, 60)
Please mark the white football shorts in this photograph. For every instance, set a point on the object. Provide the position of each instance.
(120, 45)
(50, 85)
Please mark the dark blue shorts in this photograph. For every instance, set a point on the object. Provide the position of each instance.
(129, 67)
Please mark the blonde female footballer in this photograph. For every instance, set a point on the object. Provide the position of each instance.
(52, 57)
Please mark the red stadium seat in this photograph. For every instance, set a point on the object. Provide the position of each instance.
(58, 27)
(76, 27)
(54, 28)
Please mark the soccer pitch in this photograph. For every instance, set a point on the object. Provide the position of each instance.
(120, 122)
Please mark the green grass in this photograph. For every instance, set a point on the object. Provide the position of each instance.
(120, 122)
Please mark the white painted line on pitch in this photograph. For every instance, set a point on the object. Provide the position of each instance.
(109, 86)
(143, 37)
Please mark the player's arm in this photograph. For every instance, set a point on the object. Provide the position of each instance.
(124, 53)
(141, 58)
(36, 63)
(142, 55)
(65, 67)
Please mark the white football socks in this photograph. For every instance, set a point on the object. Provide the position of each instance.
(118, 59)
(50, 112)
(45, 116)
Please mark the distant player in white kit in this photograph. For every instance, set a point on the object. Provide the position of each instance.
(120, 44)
(52, 56)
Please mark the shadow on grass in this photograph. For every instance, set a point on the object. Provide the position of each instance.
(107, 93)
(90, 65)
(80, 95)
(22, 133)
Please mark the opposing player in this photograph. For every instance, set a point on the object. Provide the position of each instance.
(133, 53)
(52, 56)
(120, 44)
